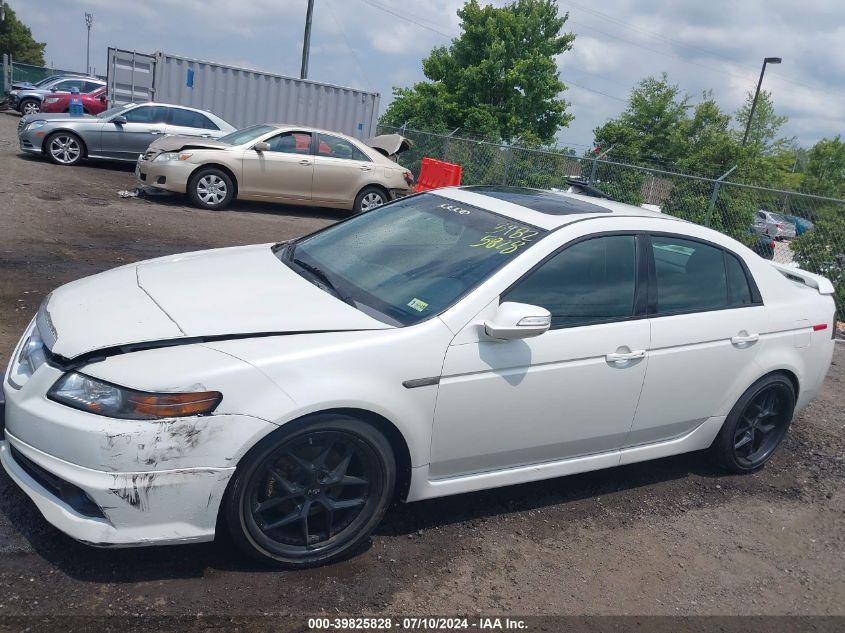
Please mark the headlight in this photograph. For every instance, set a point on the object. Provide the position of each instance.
(51, 100)
(165, 156)
(34, 125)
(96, 396)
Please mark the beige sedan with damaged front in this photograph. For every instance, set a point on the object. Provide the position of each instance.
(279, 163)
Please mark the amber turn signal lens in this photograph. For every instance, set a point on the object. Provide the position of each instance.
(166, 405)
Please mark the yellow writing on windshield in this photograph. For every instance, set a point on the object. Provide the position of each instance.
(506, 238)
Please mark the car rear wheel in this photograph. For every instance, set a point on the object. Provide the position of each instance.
(369, 198)
(312, 493)
(756, 425)
(211, 189)
(30, 106)
(64, 148)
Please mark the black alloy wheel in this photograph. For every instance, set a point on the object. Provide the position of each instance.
(756, 425)
(312, 495)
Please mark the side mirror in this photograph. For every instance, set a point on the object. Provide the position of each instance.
(518, 320)
(102, 97)
(261, 147)
(54, 89)
(119, 120)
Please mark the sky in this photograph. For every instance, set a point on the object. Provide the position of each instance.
(375, 45)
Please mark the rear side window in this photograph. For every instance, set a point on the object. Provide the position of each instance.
(335, 147)
(589, 282)
(690, 275)
(739, 292)
(189, 118)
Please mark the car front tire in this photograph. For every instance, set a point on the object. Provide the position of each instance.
(211, 188)
(29, 106)
(311, 492)
(756, 425)
(64, 148)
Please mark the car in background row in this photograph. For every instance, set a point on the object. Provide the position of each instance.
(773, 225)
(28, 100)
(120, 133)
(92, 102)
(802, 225)
(764, 247)
(277, 163)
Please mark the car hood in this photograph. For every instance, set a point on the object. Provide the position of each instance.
(179, 142)
(216, 294)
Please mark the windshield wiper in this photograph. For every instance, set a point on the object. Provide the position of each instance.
(322, 277)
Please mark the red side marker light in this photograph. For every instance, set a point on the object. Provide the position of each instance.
(819, 327)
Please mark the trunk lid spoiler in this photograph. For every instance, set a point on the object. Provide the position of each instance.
(822, 284)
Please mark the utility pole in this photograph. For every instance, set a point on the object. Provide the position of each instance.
(89, 20)
(767, 60)
(306, 42)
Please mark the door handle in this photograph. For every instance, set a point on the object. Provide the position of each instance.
(365, 168)
(743, 338)
(304, 162)
(156, 131)
(618, 357)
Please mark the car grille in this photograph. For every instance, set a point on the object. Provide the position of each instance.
(20, 127)
(150, 154)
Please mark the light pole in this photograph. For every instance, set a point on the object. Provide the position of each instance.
(306, 41)
(89, 20)
(767, 60)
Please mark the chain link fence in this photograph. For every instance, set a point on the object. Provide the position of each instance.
(788, 227)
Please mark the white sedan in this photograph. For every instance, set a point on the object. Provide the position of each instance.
(447, 342)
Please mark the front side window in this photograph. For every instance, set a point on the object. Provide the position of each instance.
(291, 143)
(246, 135)
(690, 275)
(335, 147)
(592, 281)
(147, 114)
(67, 84)
(410, 259)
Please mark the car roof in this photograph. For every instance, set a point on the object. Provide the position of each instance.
(547, 209)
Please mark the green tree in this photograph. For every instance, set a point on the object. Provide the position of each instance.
(498, 78)
(649, 129)
(16, 40)
(824, 173)
(763, 136)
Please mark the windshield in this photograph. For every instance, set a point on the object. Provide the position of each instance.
(411, 259)
(112, 111)
(777, 217)
(239, 137)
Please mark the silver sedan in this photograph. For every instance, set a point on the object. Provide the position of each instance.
(120, 133)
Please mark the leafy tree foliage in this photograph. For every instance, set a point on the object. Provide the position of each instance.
(16, 40)
(498, 78)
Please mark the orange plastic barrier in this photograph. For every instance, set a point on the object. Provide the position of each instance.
(435, 173)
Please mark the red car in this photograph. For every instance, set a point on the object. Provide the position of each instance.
(92, 102)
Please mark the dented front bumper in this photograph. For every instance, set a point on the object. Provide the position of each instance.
(137, 508)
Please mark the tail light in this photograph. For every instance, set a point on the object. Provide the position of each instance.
(409, 177)
(777, 225)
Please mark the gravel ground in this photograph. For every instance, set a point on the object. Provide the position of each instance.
(670, 537)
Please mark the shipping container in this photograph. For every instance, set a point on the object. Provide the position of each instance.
(239, 95)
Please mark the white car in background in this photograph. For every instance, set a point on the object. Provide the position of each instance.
(773, 225)
(448, 342)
